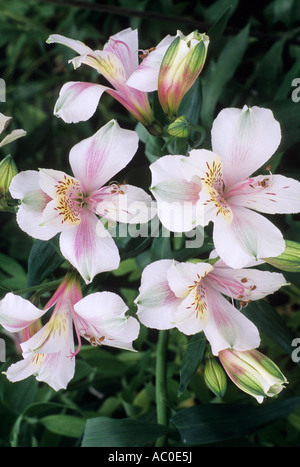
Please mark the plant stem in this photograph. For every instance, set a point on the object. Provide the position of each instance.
(161, 383)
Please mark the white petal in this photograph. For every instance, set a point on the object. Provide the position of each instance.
(245, 284)
(181, 276)
(128, 204)
(89, 247)
(4, 122)
(249, 236)
(271, 194)
(96, 159)
(16, 313)
(156, 302)
(227, 327)
(176, 187)
(77, 101)
(145, 77)
(78, 46)
(245, 139)
(102, 315)
(15, 134)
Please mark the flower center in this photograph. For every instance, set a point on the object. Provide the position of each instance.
(213, 182)
(70, 200)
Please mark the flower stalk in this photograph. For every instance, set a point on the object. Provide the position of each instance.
(161, 383)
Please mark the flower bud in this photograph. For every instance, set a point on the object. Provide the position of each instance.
(180, 67)
(289, 260)
(179, 128)
(8, 170)
(253, 373)
(215, 377)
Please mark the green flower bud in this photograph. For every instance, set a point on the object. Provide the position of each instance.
(289, 260)
(215, 377)
(179, 128)
(8, 170)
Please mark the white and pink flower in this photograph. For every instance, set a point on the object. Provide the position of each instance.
(118, 63)
(218, 186)
(54, 202)
(191, 297)
(49, 350)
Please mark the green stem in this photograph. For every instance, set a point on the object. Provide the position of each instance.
(161, 383)
(43, 287)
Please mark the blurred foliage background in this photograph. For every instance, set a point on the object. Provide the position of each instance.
(254, 56)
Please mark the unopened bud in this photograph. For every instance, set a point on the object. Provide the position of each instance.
(179, 128)
(215, 377)
(289, 260)
(8, 170)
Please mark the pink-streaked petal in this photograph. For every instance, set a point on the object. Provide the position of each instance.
(89, 247)
(249, 236)
(76, 45)
(181, 276)
(59, 368)
(245, 284)
(227, 327)
(271, 194)
(124, 45)
(52, 337)
(101, 318)
(156, 302)
(245, 139)
(96, 159)
(78, 101)
(16, 313)
(125, 203)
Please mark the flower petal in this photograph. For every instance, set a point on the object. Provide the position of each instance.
(96, 159)
(16, 313)
(248, 236)
(101, 318)
(78, 46)
(245, 284)
(245, 139)
(227, 327)
(78, 101)
(125, 203)
(156, 302)
(145, 77)
(271, 194)
(124, 45)
(89, 247)
(182, 276)
(176, 187)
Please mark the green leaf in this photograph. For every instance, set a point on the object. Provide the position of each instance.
(126, 432)
(43, 259)
(191, 360)
(65, 425)
(213, 423)
(107, 364)
(219, 73)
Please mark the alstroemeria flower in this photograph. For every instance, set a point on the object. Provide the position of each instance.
(118, 62)
(253, 373)
(190, 297)
(54, 202)
(218, 186)
(48, 354)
